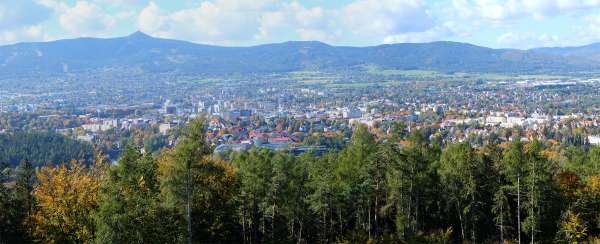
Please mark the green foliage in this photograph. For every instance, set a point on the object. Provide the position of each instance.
(11, 214)
(469, 186)
(593, 164)
(128, 210)
(40, 148)
(388, 191)
(22, 196)
(200, 190)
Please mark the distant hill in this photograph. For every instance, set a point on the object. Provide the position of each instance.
(587, 53)
(139, 53)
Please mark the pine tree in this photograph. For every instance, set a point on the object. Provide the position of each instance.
(593, 165)
(256, 173)
(23, 196)
(201, 190)
(9, 216)
(355, 182)
(469, 181)
(412, 187)
(128, 207)
(322, 194)
(514, 168)
(541, 194)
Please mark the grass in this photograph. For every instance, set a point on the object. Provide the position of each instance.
(376, 70)
(430, 74)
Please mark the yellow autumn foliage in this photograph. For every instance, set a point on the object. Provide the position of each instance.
(573, 228)
(66, 198)
(593, 184)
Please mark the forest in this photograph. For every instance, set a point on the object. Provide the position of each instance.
(40, 148)
(405, 188)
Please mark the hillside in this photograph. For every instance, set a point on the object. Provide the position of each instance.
(139, 53)
(588, 53)
(40, 148)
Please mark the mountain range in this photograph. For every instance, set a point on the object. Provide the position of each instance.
(139, 53)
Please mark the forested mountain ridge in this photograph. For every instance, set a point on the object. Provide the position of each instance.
(589, 52)
(139, 53)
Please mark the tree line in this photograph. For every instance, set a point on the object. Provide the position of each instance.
(40, 148)
(375, 190)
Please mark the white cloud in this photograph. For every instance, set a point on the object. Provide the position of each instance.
(85, 18)
(151, 18)
(510, 39)
(357, 22)
(588, 32)
(221, 21)
(488, 15)
(387, 17)
(434, 34)
(245, 21)
(593, 23)
(22, 13)
(21, 21)
(549, 40)
(528, 40)
(308, 23)
(503, 10)
(315, 34)
(121, 3)
(27, 33)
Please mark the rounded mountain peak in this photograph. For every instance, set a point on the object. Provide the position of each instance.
(139, 35)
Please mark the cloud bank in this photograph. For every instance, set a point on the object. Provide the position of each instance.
(499, 23)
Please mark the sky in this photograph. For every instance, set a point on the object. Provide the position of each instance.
(519, 24)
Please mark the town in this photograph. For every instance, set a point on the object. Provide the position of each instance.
(312, 111)
(300, 121)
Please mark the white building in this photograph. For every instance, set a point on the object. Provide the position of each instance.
(513, 121)
(351, 113)
(495, 120)
(164, 128)
(594, 140)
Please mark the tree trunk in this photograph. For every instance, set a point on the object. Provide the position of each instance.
(324, 235)
(340, 219)
(462, 228)
(417, 213)
(369, 220)
(473, 234)
(410, 207)
(255, 223)
(244, 210)
(189, 204)
(331, 227)
(273, 223)
(376, 210)
(293, 227)
(300, 234)
(502, 223)
(519, 207)
(532, 205)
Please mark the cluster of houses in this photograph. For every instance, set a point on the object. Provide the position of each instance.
(234, 126)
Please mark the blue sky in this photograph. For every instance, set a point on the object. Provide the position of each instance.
(492, 23)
